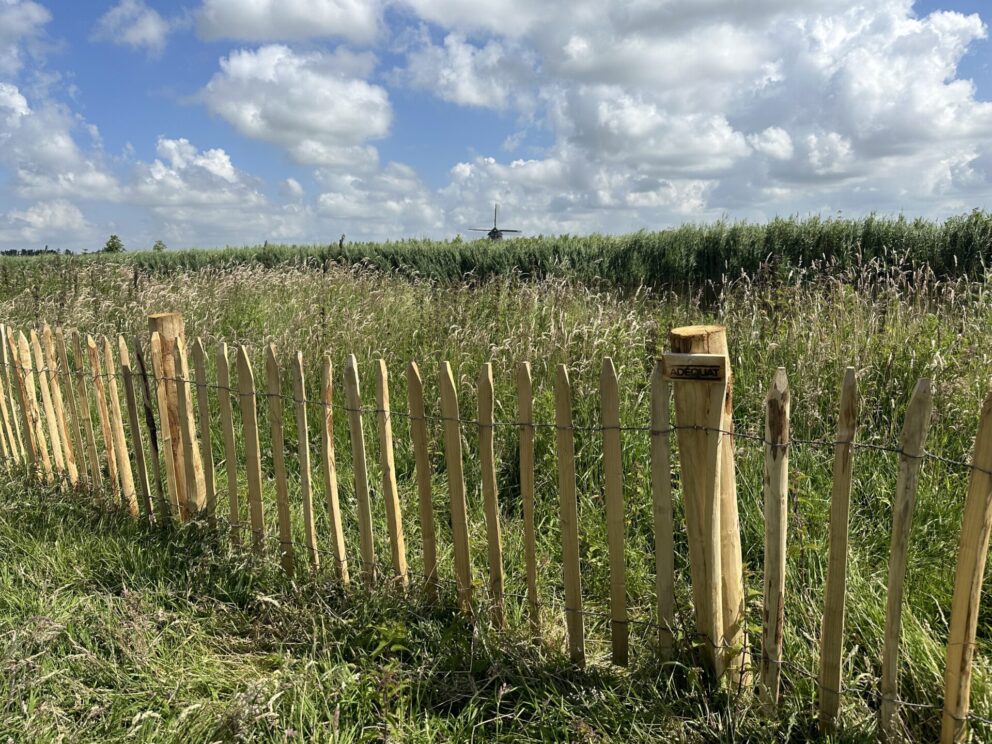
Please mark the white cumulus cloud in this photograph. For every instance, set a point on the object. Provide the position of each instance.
(774, 142)
(658, 111)
(134, 24)
(315, 105)
(44, 222)
(40, 150)
(389, 202)
(494, 75)
(20, 22)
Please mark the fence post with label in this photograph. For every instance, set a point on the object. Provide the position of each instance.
(699, 382)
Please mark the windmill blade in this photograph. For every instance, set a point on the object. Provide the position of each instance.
(503, 229)
(480, 229)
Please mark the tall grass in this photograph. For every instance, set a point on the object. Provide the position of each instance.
(893, 324)
(682, 258)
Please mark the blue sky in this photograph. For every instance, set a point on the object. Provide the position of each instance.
(236, 121)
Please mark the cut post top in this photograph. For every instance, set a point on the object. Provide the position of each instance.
(698, 339)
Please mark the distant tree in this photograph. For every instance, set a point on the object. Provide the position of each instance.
(113, 245)
(159, 246)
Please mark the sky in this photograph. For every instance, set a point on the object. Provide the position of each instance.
(233, 122)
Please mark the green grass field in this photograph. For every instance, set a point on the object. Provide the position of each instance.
(114, 631)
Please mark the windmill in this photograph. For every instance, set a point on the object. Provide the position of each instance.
(493, 233)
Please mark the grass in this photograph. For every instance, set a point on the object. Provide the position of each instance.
(113, 631)
(407, 670)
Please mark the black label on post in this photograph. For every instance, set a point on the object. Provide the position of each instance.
(695, 372)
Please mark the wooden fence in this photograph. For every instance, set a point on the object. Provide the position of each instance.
(160, 466)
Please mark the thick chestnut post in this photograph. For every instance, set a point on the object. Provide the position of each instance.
(712, 339)
(169, 327)
(699, 382)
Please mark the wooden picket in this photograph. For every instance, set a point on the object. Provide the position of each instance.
(54, 436)
(173, 477)
(253, 455)
(21, 370)
(353, 404)
(912, 443)
(196, 488)
(303, 458)
(137, 445)
(609, 391)
(569, 516)
(206, 447)
(835, 591)
(11, 450)
(329, 469)
(662, 509)
(169, 327)
(24, 353)
(777, 411)
(58, 404)
(70, 395)
(230, 448)
(973, 550)
(121, 455)
(103, 412)
(149, 410)
(487, 460)
(422, 465)
(525, 420)
(273, 389)
(5, 450)
(10, 382)
(456, 486)
(390, 494)
(86, 413)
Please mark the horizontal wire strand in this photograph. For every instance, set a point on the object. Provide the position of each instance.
(743, 435)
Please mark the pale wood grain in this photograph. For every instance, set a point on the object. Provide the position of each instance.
(456, 486)
(422, 464)
(569, 516)
(329, 470)
(777, 412)
(390, 494)
(609, 392)
(490, 498)
(835, 591)
(287, 552)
